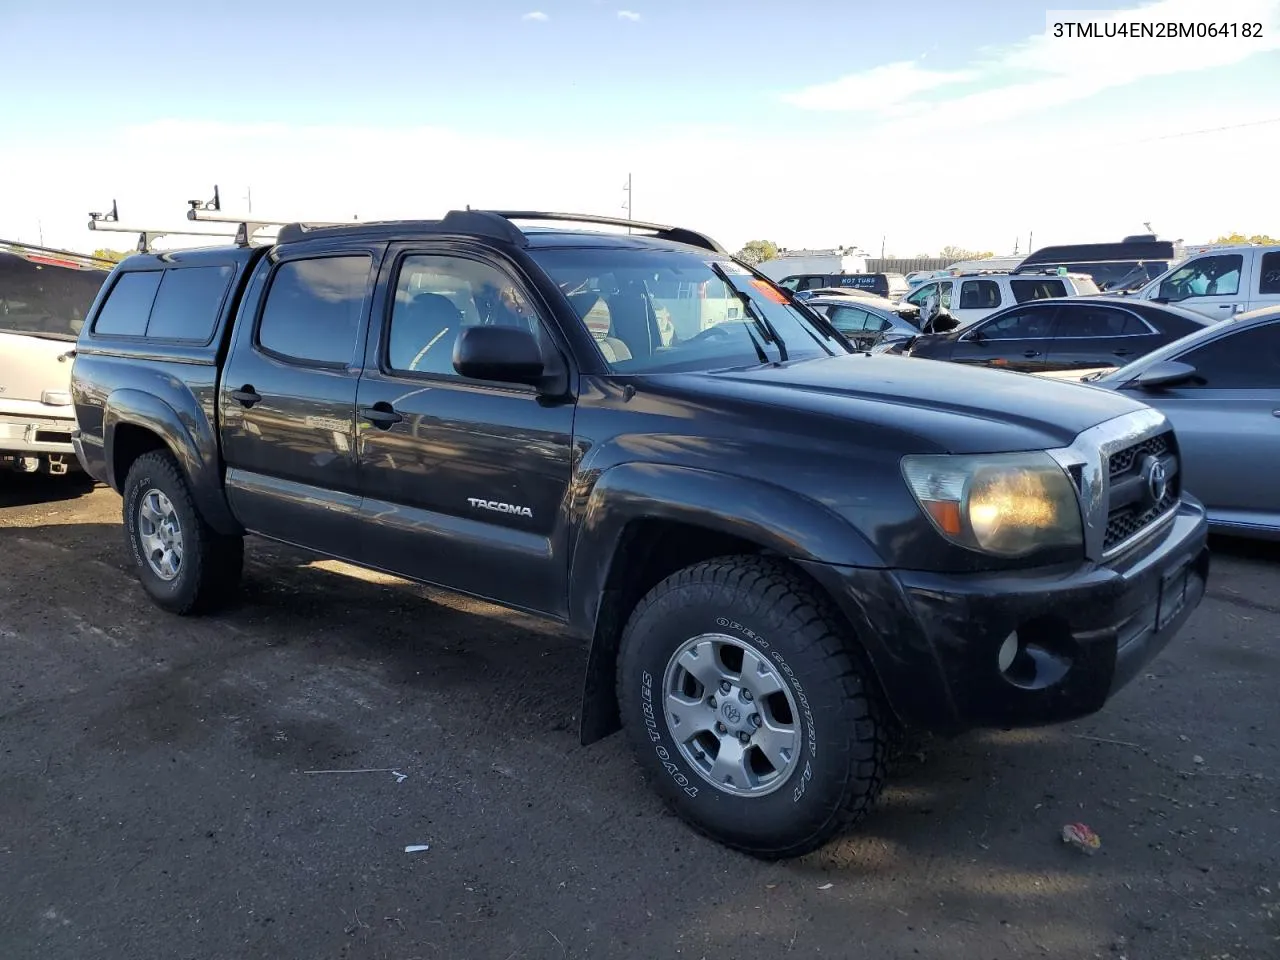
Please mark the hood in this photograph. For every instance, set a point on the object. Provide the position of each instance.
(958, 409)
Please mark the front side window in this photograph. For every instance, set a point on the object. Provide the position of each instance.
(1247, 359)
(1030, 324)
(1216, 276)
(621, 295)
(436, 296)
(920, 296)
(313, 307)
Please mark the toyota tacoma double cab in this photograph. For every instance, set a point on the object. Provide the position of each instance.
(781, 552)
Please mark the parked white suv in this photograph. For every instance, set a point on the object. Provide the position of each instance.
(1221, 283)
(971, 296)
(44, 297)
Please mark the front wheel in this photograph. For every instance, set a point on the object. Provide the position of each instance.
(185, 565)
(747, 708)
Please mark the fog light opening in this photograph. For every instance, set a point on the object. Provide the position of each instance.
(1037, 655)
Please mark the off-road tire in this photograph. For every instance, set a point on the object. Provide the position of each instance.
(211, 565)
(844, 733)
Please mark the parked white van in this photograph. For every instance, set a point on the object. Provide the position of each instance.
(1221, 283)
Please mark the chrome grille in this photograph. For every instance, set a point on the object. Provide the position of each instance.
(1130, 509)
(1122, 461)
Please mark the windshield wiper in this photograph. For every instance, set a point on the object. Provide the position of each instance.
(762, 323)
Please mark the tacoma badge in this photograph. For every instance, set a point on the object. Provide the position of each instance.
(500, 507)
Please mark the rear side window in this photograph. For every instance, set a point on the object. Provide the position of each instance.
(128, 305)
(1024, 290)
(1269, 274)
(979, 295)
(187, 306)
(313, 309)
(1084, 321)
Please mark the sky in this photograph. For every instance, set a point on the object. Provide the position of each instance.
(811, 123)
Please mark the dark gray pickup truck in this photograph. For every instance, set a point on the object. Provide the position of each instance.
(781, 552)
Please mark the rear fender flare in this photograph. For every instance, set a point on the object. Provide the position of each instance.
(187, 435)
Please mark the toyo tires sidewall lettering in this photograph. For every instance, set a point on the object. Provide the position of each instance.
(742, 820)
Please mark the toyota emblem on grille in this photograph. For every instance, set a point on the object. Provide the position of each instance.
(1157, 479)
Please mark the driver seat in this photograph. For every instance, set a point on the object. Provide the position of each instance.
(421, 338)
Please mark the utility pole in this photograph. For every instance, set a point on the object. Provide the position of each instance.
(248, 198)
(1030, 246)
(40, 228)
(627, 206)
(882, 247)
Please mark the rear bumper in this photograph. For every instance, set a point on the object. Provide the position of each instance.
(31, 435)
(1081, 634)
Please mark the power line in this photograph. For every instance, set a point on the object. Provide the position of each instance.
(1193, 133)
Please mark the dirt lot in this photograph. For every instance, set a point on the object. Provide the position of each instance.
(156, 799)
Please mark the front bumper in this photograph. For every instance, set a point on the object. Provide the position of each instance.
(934, 640)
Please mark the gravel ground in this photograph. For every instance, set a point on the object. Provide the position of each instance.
(157, 798)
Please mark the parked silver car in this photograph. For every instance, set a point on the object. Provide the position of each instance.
(1220, 387)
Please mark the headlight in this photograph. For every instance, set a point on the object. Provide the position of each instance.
(1008, 504)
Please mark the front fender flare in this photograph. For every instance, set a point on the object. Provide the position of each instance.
(188, 435)
(778, 520)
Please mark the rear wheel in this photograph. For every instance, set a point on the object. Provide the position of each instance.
(185, 565)
(747, 708)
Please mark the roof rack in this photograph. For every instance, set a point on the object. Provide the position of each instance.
(663, 231)
(239, 229)
(494, 224)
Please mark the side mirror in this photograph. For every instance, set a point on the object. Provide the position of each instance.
(502, 354)
(1167, 373)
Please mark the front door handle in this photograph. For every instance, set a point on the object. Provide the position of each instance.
(1121, 353)
(381, 415)
(1031, 353)
(246, 395)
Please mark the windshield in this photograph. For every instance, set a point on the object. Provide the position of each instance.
(663, 311)
(43, 299)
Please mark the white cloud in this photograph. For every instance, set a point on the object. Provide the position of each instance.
(630, 15)
(879, 89)
(536, 15)
(1045, 70)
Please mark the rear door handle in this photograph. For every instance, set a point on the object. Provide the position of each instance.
(381, 415)
(1120, 353)
(1032, 353)
(246, 395)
